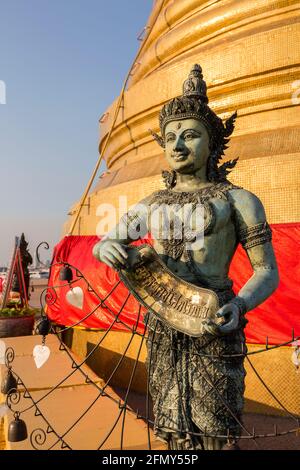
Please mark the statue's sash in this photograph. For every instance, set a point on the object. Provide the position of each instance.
(180, 304)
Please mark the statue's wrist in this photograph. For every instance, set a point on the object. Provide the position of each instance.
(241, 304)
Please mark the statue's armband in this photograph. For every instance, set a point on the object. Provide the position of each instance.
(255, 235)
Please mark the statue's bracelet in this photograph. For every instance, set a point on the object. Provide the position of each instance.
(241, 304)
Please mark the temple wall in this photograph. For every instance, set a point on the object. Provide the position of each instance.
(275, 181)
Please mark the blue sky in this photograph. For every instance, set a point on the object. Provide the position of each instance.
(63, 62)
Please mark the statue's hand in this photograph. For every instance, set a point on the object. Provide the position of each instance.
(111, 253)
(230, 313)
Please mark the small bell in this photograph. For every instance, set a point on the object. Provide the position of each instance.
(66, 274)
(44, 326)
(17, 430)
(9, 383)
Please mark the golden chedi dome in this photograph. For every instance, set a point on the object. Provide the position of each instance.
(249, 53)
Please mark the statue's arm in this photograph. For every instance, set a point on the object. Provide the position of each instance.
(111, 250)
(255, 236)
(254, 233)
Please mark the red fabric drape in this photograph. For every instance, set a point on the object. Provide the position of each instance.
(275, 318)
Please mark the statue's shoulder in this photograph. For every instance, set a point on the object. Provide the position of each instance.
(247, 206)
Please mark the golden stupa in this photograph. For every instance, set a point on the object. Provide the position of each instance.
(250, 55)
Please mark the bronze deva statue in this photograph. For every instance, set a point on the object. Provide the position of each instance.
(198, 390)
(26, 260)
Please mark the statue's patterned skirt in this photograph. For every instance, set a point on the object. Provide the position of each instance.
(193, 385)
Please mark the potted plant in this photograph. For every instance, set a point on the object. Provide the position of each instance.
(16, 320)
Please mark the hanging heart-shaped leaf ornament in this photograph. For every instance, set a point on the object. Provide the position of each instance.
(75, 297)
(41, 355)
(2, 352)
(296, 357)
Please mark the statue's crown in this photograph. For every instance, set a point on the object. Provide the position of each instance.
(193, 103)
(194, 85)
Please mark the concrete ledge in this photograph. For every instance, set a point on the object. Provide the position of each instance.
(64, 405)
(62, 409)
(274, 366)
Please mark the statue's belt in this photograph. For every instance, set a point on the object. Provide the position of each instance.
(181, 305)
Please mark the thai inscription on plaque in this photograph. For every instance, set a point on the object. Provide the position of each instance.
(184, 306)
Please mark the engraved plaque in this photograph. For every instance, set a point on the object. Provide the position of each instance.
(178, 303)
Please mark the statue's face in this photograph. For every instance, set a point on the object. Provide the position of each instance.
(186, 145)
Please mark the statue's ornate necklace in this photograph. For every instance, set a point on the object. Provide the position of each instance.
(175, 244)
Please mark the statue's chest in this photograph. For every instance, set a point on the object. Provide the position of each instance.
(216, 213)
(181, 220)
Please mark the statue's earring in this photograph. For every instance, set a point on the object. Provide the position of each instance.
(170, 178)
(158, 138)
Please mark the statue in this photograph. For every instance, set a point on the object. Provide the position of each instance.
(196, 383)
(26, 260)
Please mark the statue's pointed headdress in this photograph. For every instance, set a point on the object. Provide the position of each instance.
(194, 104)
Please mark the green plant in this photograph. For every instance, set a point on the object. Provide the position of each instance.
(14, 309)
